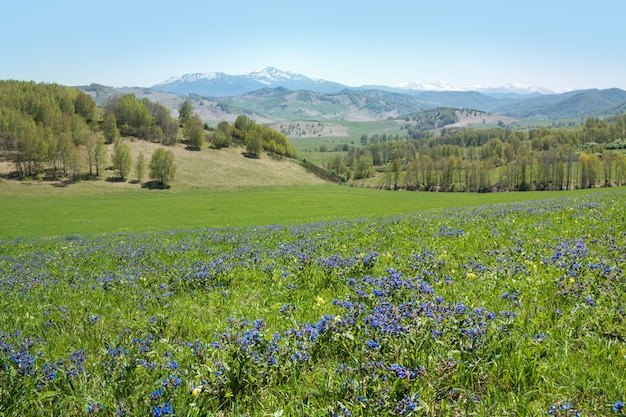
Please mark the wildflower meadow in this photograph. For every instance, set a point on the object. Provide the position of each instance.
(509, 309)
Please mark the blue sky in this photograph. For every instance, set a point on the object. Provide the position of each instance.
(553, 44)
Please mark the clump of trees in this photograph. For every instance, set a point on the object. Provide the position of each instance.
(255, 137)
(496, 159)
(46, 126)
(142, 119)
(51, 130)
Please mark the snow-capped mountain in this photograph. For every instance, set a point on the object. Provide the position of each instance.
(217, 84)
(514, 89)
(430, 86)
(510, 90)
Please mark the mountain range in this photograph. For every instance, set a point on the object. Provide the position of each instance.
(270, 95)
(218, 84)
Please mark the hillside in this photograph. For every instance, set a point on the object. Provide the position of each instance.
(210, 169)
(276, 104)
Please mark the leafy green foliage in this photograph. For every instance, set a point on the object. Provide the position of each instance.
(122, 159)
(431, 119)
(185, 111)
(494, 159)
(194, 131)
(143, 119)
(246, 131)
(162, 167)
(36, 120)
(140, 167)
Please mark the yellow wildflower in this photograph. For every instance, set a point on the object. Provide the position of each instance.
(196, 391)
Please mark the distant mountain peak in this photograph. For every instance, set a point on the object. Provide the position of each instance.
(429, 86)
(516, 88)
(510, 88)
(218, 84)
(193, 77)
(270, 76)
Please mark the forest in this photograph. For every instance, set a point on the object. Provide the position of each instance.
(53, 132)
(494, 159)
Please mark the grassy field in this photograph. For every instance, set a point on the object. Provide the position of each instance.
(508, 309)
(100, 207)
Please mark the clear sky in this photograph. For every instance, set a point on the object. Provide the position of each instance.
(550, 43)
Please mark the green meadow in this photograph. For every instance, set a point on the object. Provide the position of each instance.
(43, 210)
(313, 301)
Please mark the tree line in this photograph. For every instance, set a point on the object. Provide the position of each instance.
(48, 130)
(497, 159)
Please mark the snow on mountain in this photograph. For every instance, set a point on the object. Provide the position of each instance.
(429, 86)
(516, 88)
(223, 85)
(271, 76)
(193, 77)
(511, 88)
(219, 84)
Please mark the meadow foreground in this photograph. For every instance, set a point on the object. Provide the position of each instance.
(508, 309)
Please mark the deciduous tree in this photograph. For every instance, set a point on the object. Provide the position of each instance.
(140, 166)
(185, 111)
(162, 167)
(122, 160)
(109, 128)
(253, 144)
(100, 156)
(194, 131)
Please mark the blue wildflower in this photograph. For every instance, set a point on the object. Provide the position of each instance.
(164, 410)
(93, 408)
(371, 344)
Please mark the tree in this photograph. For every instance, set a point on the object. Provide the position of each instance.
(222, 136)
(140, 167)
(396, 168)
(122, 161)
(620, 169)
(85, 106)
(364, 168)
(162, 167)
(90, 151)
(589, 168)
(185, 112)
(109, 128)
(194, 131)
(253, 144)
(100, 156)
(73, 162)
(80, 130)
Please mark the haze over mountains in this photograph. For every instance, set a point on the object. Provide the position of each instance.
(270, 95)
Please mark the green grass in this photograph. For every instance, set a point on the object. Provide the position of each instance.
(40, 210)
(507, 309)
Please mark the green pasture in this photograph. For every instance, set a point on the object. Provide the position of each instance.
(41, 210)
(495, 310)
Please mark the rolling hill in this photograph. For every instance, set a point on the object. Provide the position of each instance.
(270, 95)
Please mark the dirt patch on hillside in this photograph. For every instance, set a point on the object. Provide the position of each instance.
(309, 129)
(468, 118)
